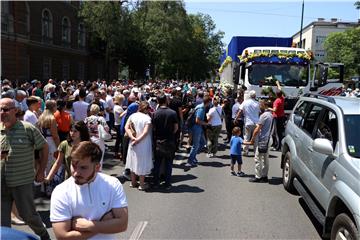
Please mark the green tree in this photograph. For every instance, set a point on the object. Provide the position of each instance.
(357, 5)
(345, 47)
(106, 23)
(206, 44)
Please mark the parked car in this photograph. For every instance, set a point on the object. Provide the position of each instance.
(321, 161)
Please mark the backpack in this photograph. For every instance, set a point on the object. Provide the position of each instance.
(190, 121)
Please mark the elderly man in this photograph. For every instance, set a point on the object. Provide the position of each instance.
(17, 170)
(20, 103)
(251, 110)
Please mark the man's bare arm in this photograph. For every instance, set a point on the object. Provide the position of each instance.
(117, 224)
(63, 230)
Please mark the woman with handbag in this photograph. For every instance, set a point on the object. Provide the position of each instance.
(98, 129)
(139, 156)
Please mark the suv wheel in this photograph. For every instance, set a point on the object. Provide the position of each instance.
(287, 174)
(343, 228)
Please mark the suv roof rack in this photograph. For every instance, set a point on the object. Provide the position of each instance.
(316, 95)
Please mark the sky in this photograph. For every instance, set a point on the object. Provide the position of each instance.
(280, 18)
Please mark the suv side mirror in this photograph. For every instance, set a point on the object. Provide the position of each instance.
(324, 146)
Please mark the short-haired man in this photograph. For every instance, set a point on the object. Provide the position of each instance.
(89, 204)
(262, 136)
(198, 138)
(17, 170)
(165, 125)
(251, 111)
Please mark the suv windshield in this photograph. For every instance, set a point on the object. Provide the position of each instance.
(352, 133)
(286, 74)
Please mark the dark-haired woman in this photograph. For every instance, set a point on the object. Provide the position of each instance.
(63, 120)
(78, 133)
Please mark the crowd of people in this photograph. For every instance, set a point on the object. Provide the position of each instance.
(51, 125)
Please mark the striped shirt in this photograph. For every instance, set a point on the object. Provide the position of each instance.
(23, 138)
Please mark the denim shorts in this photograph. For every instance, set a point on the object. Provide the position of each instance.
(236, 158)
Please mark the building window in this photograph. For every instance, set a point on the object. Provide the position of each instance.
(81, 71)
(320, 40)
(81, 36)
(46, 26)
(66, 31)
(46, 68)
(6, 17)
(66, 70)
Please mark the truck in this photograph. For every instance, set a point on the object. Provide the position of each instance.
(276, 64)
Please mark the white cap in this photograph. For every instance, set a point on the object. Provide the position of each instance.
(178, 88)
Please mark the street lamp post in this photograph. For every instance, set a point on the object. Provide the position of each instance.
(301, 27)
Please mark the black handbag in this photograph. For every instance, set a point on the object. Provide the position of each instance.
(165, 148)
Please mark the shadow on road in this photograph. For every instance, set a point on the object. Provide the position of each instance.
(182, 178)
(275, 181)
(183, 188)
(223, 157)
(213, 164)
(317, 225)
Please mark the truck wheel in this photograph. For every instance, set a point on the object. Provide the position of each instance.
(287, 174)
(344, 228)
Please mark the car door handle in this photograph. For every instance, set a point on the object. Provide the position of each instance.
(310, 149)
(296, 135)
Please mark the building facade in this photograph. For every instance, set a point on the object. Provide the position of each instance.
(314, 35)
(42, 40)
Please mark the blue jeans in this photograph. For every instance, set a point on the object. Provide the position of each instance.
(198, 142)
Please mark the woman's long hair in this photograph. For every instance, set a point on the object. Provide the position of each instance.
(47, 117)
(83, 130)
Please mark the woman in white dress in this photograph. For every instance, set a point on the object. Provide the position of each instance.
(139, 156)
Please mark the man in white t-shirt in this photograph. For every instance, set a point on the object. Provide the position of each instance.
(34, 104)
(80, 107)
(250, 109)
(88, 205)
(214, 117)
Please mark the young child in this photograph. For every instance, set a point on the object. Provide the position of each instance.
(235, 152)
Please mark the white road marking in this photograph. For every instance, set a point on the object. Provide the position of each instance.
(138, 230)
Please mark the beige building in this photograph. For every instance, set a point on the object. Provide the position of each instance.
(314, 35)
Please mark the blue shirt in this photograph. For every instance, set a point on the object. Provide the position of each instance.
(199, 113)
(235, 145)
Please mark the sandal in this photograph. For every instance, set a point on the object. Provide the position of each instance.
(143, 188)
(133, 186)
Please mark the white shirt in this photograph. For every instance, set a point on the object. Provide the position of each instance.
(90, 201)
(117, 111)
(215, 114)
(251, 110)
(110, 102)
(80, 110)
(235, 110)
(30, 117)
(105, 105)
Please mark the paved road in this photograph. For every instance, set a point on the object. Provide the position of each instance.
(206, 202)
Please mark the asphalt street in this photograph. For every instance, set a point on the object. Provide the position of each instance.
(206, 202)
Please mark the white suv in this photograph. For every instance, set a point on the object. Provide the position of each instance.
(321, 161)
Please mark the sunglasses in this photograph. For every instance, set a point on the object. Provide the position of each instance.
(6, 109)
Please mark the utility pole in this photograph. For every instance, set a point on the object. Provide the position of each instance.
(301, 27)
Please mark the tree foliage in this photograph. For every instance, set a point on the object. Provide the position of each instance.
(345, 47)
(159, 34)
